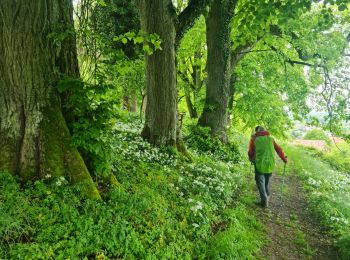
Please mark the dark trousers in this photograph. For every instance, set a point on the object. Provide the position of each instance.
(263, 184)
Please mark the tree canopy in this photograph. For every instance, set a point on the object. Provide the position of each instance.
(124, 127)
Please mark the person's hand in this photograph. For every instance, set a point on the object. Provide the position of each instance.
(285, 160)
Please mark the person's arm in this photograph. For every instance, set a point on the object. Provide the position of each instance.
(280, 152)
(251, 151)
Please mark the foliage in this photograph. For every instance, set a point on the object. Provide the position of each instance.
(317, 134)
(161, 208)
(94, 109)
(128, 77)
(191, 66)
(337, 156)
(272, 84)
(128, 143)
(328, 192)
(109, 20)
(150, 42)
(239, 240)
(200, 140)
(259, 90)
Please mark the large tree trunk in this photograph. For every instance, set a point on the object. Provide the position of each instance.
(218, 85)
(160, 117)
(35, 140)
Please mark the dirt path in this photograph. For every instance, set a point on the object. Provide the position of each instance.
(292, 230)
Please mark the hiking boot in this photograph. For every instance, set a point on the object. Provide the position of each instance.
(265, 204)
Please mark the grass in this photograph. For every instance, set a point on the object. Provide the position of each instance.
(239, 240)
(328, 192)
(300, 240)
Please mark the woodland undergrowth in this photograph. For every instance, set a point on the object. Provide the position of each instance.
(162, 205)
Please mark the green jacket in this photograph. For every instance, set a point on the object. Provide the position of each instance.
(264, 154)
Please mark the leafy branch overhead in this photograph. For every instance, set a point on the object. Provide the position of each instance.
(150, 42)
(136, 114)
(188, 17)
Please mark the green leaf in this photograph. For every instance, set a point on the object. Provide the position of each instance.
(147, 49)
(138, 39)
(342, 7)
(101, 3)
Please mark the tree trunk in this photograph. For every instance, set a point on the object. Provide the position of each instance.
(35, 140)
(126, 102)
(233, 80)
(129, 101)
(160, 117)
(191, 108)
(196, 85)
(218, 87)
(180, 145)
(133, 102)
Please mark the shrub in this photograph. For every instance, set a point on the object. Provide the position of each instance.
(200, 140)
(317, 134)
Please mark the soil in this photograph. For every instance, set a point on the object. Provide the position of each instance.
(292, 230)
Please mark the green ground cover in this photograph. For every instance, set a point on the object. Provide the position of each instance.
(328, 191)
(163, 206)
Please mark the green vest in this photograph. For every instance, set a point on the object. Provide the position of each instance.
(264, 154)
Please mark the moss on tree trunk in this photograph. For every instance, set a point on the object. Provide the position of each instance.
(35, 139)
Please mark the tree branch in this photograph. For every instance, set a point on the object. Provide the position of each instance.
(188, 16)
(244, 52)
(293, 62)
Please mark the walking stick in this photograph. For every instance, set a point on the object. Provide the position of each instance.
(283, 175)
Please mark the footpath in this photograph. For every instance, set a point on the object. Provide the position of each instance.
(292, 230)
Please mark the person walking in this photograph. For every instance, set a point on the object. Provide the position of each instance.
(261, 153)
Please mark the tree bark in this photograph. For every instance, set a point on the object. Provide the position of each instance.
(133, 102)
(35, 140)
(191, 108)
(129, 101)
(193, 82)
(233, 80)
(159, 16)
(126, 102)
(160, 116)
(215, 113)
